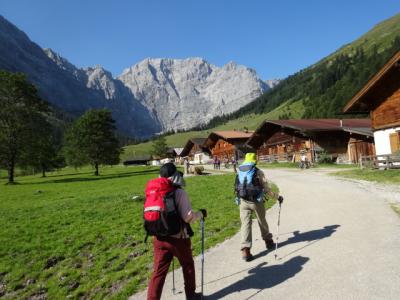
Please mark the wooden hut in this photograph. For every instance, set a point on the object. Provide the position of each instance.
(381, 98)
(195, 150)
(174, 153)
(227, 144)
(284, 140)
(137, 160)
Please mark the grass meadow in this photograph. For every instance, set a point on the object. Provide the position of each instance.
(382, 176)
(251, 122)
(73, 235)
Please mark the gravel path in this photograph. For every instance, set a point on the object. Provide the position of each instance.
(339, 240)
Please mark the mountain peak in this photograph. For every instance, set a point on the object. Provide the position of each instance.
(154, 95)
(183, 93)
(60, 61)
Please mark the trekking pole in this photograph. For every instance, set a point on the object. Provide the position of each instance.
(202, 256)
(280, 199)
(173, 275)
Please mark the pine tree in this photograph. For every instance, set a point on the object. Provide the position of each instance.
(160, 147)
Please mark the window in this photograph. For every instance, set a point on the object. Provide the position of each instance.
(395, 142)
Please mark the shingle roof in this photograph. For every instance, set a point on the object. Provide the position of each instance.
(309, 126)
(322, 124)
(233, 134)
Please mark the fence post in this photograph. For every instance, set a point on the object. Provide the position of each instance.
(361, 162)
(387, 162)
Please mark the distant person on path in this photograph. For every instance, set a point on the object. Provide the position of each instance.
(303, 160)
(186, 165)
(226, 162)
(178, 245)
(215, 163)
(250, 188)
(218, 163)
(234, 164)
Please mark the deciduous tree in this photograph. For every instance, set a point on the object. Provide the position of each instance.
(91, 139)
(19, 105)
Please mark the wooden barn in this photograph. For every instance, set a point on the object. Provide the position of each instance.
(381, 98)
(138, 160)
(174, 153)
(194, 149)
(284, 140)
(227, 144)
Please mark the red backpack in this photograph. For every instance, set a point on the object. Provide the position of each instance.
(161, 217)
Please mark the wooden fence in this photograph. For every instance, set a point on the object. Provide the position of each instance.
(284, 157)
(380, 162)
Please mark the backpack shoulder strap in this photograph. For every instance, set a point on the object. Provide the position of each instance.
(236, 182)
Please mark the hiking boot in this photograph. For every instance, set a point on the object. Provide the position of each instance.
(195, 296)
(270, 244)
(246, 255)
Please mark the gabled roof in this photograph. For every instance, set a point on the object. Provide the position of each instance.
(189, 145)
(178, 150)
(371, 94)
(175, 151)
(322, 124)
(231, 136)
(308, 127)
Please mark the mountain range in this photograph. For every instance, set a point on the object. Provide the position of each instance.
(153, 96)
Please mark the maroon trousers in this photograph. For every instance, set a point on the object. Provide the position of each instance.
(164, 251)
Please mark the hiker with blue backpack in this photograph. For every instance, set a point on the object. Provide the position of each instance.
(251, 187)
(167, 216)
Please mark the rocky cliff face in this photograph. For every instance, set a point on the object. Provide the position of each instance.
(182, 93)
(69, 88)
(152, 96)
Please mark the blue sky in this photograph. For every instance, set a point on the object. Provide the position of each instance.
(276, 38)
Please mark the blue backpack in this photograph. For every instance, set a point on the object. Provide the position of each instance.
(247, 184)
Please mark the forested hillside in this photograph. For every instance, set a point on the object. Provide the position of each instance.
(323, 89)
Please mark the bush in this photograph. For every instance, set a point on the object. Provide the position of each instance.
(325, 158)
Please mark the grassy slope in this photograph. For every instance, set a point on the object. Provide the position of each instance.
(381, 35)
(80, 235)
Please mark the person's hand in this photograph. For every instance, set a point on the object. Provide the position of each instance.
(237, 201)
(280, 199)
(204, 213)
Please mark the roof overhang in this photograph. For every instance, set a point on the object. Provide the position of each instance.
(377, 89)
(307, 129)
(230, 137)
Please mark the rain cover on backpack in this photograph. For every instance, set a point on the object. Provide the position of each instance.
(247, 184)
(161, 217)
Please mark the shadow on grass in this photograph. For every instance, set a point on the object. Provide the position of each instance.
(311, 236)
(95, 178)
(263, 277)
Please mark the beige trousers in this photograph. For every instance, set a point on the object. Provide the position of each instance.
(246, 209)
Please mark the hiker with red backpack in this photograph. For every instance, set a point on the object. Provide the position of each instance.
(167, 216)
(250, 188)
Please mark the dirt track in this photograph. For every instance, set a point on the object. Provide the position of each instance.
(339, 240)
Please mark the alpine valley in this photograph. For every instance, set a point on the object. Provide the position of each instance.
(152, 96)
